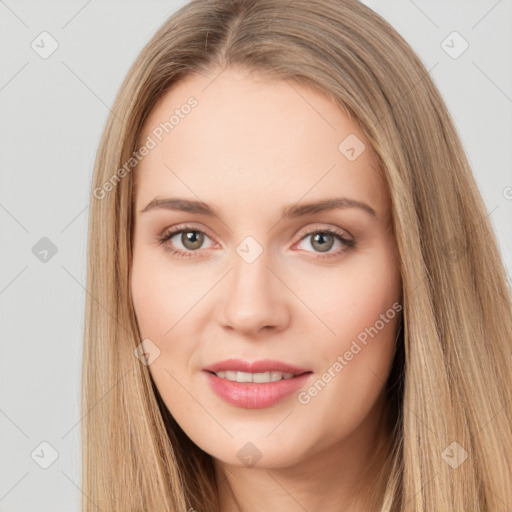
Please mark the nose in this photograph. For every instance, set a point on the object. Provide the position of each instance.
(254, 298)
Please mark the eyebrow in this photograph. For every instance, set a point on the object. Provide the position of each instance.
(292, 211)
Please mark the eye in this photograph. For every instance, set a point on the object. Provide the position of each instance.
(191, 239)
(324, 239)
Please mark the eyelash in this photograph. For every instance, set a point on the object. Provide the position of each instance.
(167, 235)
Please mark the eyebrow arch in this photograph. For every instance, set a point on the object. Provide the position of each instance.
(293, 211)
(298, 210)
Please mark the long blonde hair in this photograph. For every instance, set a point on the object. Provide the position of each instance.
(452, 382)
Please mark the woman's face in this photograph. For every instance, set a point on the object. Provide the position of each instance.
(234, 181)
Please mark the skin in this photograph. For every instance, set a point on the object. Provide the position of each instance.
(251, 147)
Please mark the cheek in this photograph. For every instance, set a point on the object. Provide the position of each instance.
(164, 301)
(158, 294)
(146, 299)
(352, 297)
(158, 310)
(362, 312)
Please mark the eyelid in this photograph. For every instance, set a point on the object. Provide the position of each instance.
(322, 227)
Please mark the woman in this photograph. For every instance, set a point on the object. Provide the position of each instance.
(296, 297)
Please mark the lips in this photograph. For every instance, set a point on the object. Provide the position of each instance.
(249, 395)
(262, 366)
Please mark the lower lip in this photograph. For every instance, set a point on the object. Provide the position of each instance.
(251, 395)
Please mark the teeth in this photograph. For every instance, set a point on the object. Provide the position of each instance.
(254, 377)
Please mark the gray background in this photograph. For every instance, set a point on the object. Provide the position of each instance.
(52, 114)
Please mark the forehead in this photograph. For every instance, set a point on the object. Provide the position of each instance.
(254, 140)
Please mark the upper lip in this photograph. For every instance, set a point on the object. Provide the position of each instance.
(262, 366)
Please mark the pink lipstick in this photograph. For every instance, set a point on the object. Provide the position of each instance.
(264, 383)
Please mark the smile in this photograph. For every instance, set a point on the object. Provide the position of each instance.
(263, 377)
